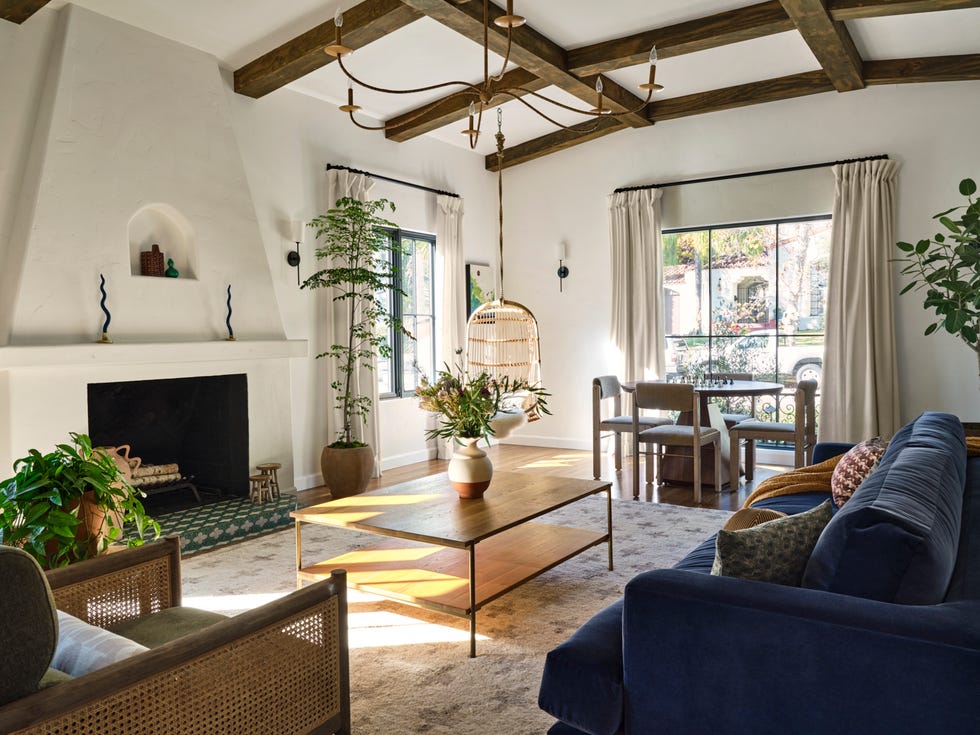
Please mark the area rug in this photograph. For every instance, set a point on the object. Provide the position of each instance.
(215, 524)
(409, 668)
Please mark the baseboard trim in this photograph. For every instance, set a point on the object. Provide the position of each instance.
(400, 460)
(548, 442)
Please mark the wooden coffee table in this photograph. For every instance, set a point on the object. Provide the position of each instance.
(450, 555)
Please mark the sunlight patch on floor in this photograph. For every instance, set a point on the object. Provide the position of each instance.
(381, 628)
(231, 604)
(556, 460)
(369, 629)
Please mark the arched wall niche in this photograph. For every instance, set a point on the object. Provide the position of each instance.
(163, 225)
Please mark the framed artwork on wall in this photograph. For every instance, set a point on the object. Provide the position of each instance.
(479, 286)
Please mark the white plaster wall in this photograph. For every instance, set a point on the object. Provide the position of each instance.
(286, 141)
(135, 119)
(930, 128)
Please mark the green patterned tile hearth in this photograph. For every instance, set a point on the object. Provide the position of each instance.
(216, 524)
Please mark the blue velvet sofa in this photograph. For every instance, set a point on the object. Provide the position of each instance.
(883, 636)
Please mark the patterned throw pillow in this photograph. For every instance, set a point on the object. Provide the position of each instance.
(854, 467)
(83, 648)
(775, 551)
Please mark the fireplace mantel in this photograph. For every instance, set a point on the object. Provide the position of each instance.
(16, 357)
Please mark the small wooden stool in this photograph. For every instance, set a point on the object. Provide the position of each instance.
(260, 490)
(272, 469)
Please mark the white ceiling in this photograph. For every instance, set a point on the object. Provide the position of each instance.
(425, 52)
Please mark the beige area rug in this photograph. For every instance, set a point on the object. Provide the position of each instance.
(409, 668)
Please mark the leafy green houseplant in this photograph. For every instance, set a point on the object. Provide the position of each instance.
(69, 504)
(359, 268)
(947, 267)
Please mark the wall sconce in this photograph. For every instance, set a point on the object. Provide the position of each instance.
(562, 268)
(296, 230)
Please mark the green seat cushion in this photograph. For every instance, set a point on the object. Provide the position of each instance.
(30, 628)
(52, 677)
(167, 625)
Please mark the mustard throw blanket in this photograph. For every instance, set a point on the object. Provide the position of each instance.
(812, 479)
(816, 477)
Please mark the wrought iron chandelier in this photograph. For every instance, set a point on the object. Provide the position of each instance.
(483, 92)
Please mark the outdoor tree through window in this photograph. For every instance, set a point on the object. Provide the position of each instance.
(748, 299)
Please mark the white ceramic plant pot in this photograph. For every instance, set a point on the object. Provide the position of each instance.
(470, 469)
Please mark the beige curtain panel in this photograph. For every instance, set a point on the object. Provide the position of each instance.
(859, 393)
(637, 282)
(449, 251)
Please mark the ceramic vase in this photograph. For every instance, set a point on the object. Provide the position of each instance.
(470, 469)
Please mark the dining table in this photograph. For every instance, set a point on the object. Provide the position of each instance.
(678, 467)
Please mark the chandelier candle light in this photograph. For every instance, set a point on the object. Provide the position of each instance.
(492, 85)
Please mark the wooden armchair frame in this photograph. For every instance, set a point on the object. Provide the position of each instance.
(281, 667)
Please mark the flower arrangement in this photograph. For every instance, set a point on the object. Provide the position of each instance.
(467, 405)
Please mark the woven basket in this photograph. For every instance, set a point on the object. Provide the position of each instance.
(151, 262)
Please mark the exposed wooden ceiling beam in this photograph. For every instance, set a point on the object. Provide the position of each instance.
(742, 95)
(364, 23)
(17, 11)
(829, 41)
(854, 9)
(927, 69)
(733, 26)
(531, 51)
(554, 142)
(453, 108)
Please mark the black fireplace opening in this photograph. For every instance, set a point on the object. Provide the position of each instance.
(199, 423)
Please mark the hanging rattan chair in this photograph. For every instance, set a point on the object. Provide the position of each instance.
(502, 337)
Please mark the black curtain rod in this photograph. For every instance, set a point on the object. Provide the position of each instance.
(882, 157)
(332, 166)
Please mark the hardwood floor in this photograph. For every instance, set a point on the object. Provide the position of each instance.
(566, 463)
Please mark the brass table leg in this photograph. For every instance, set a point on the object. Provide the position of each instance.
(473, 601)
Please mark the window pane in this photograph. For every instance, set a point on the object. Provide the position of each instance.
(748, 299)
(419, 354)
(685, 271)
(743, 279)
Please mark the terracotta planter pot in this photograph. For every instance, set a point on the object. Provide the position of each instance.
(346, 471)
(470, 470)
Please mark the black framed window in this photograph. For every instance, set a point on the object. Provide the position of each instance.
(748, 298)
(399, 374)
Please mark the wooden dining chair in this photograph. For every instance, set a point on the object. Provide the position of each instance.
(802, 433)
(733, 418)
(608, 388)
(673, 397)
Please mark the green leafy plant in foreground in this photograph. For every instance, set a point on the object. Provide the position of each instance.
(41, 508)
(947, 267)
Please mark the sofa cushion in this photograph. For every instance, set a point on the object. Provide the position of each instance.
(84, 648)
(167, 625)
(854, 468)
(965, 584)
(582, 684)
(774, 551)
(30, 628)
(895, 540)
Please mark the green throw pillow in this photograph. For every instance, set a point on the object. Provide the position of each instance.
(776, 551)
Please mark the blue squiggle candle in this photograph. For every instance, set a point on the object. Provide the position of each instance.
(108, 316)
(231, 332)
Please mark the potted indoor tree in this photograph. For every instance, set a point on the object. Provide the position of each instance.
(360, 261)
(947, 267)
(69, 504)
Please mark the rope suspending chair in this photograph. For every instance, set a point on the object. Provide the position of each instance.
(502, 336)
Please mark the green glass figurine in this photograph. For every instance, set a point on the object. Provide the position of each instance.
(171, 272)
